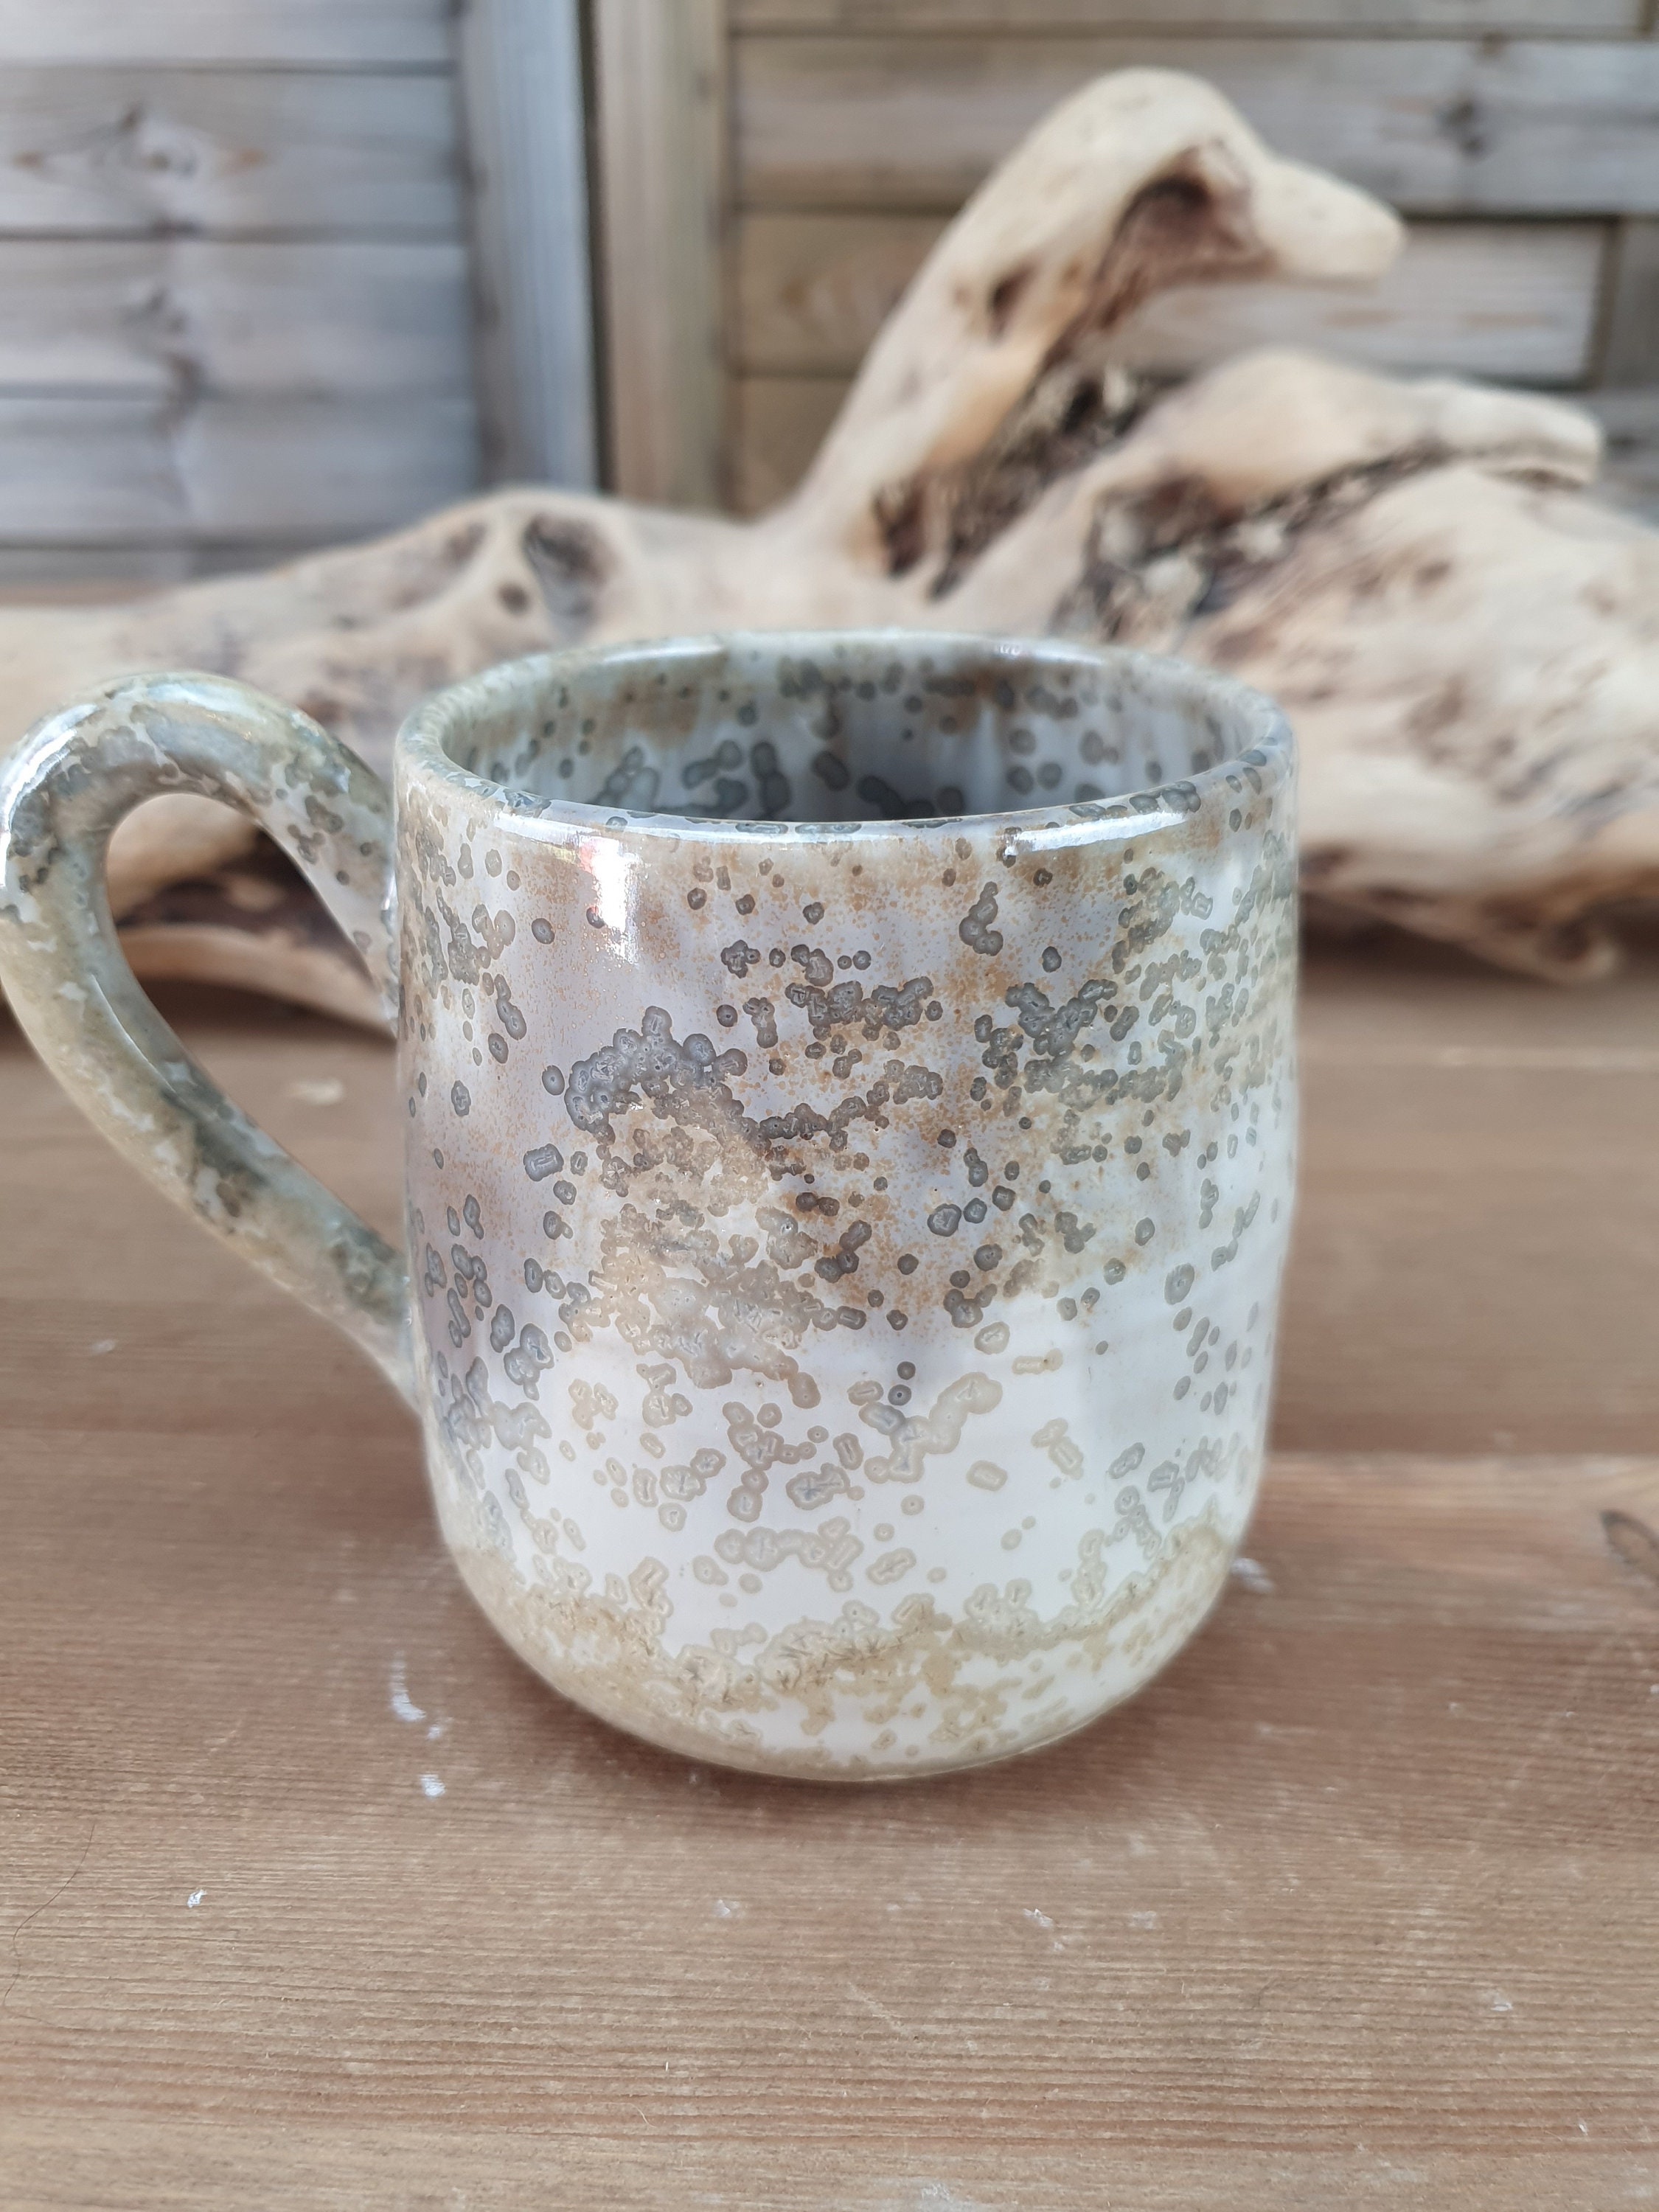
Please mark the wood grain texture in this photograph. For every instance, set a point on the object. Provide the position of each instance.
(185, 316)
(81, 471)
(1446, 18)
(1515, 302)
(227, 153)
(523, 99)
(328, 2167)
(1436, 126)
(1510, 300)
(205, 33)
(204, 208)
(1477, 1263)
(1630, 350)
(661, 131)
(1351, 1907)
(778, 424)
(1629, 415)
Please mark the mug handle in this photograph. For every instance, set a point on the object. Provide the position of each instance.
(62, 792)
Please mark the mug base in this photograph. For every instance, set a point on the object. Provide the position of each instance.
(841, 1702)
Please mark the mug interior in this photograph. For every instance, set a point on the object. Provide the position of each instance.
(850, 726)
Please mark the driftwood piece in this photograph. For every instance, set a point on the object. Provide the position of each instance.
(1465, 642)
(252, 921)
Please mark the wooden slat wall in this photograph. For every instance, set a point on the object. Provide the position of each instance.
(525, 117)
(661, 128)
(227, 153)
(1438, 126)
(322, 319)
(1520, 137)
(234, 309)
(207, 33)
(1459, 17)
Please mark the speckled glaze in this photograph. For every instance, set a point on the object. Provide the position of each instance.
(850, 1112)
(63, 789)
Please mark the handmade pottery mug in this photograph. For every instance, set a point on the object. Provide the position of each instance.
(849, 1098)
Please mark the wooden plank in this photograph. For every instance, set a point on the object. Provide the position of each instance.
(661, 68)
(1515, 301)
(83, 471)
(1358, 1890)
(207, 33)
(266, 468)
(227, 153)
(1444, 18)
(1436, 1204)
(184, 315)
(1436, 126)
(1630, 421)
(334, 2162)
(811, 291)
(778, 424)
(522, 98)
(1630, 347)
(1482, 299)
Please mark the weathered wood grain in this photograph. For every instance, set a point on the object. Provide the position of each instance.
(1629, 351)
(226, 153)
(1475, 1264)
(777, 424)
(661, 127)
(1629, 416)
(227, 229)
(182, 316)
(523, 100)
(1436, 126)
(1351, 1903)
(811, 291)
(88, 472)
(205, 33)
(325, 2164)
(1515, 302)
(1501, 300)
(1446, 18)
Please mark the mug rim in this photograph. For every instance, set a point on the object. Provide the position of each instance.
(420, 746)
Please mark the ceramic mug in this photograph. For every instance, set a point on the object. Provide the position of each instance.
(849, 1100)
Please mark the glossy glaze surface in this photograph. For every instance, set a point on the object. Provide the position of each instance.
(850, 1106)
(63, 789)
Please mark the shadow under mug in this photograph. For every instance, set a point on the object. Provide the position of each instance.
(849, 1088)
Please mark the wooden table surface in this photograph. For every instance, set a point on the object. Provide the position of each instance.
(311, 1896)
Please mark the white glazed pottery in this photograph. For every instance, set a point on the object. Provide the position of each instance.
(849, 1098)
